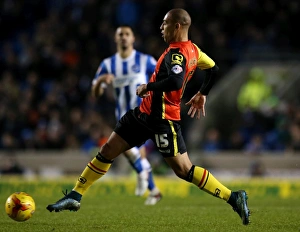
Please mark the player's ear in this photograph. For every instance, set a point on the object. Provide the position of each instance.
(117, 34)
(177, 25)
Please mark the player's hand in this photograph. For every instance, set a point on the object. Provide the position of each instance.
(97, 90)
(197, 104)
(142, 91)
(107, 78)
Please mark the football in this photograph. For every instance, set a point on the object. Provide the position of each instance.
(20, 206)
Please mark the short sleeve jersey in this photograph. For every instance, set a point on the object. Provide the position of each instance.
(180, 59)
(129, 73)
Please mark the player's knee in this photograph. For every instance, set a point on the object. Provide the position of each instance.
(181, 173)
(105, 151)
(112, 150)
(185, 173)
(101, 158)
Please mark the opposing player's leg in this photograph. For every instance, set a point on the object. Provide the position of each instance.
(205, 181)
(93, 171)
(134, 157)
(155, 194)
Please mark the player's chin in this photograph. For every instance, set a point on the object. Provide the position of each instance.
(124, 46)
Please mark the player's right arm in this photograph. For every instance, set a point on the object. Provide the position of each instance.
(98, 84)
(101, 80)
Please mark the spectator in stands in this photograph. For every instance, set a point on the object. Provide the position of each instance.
(255, 146)
(212, 141)
(254, 91)
(236, 141)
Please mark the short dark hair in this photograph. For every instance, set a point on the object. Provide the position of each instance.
(127, 25)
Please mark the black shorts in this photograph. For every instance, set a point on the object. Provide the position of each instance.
(136, 128)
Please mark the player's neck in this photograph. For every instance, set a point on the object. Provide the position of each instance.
(125, 53)
(181, 37)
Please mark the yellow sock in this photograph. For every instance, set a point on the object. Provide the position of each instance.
(207, 182)
(93, 171)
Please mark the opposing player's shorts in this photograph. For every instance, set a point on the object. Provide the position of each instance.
(136, 128)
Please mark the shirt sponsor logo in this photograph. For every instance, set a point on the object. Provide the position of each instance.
(123, 81)
(177, 59)
(176, 69)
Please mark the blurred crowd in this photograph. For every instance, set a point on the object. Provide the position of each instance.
(276, 131)
(265, 121)
(50, 51)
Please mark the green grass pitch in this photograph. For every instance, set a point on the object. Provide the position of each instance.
(112, 206)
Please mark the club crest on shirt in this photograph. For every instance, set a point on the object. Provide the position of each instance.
(135, 68)
(176, 59)
(176, 69)
(192, 62)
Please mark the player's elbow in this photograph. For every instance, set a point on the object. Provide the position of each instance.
(176, 83)
(215, 68)
(177, 86)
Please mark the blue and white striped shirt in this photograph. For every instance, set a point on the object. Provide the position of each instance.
(129, 73)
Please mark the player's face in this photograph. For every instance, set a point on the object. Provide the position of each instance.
(168, 29)
(124, 37)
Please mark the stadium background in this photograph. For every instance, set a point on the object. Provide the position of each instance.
(50, 51)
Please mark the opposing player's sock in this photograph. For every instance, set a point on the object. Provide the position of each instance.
(93, 171)
(151, 184)
(134, 158)
(207, 182)
(146, 166)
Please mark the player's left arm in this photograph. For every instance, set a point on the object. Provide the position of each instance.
(207, 64)
(197, 102)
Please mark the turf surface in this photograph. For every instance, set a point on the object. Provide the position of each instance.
(122, 211)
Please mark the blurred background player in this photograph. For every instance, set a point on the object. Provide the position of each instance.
(126, 70)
